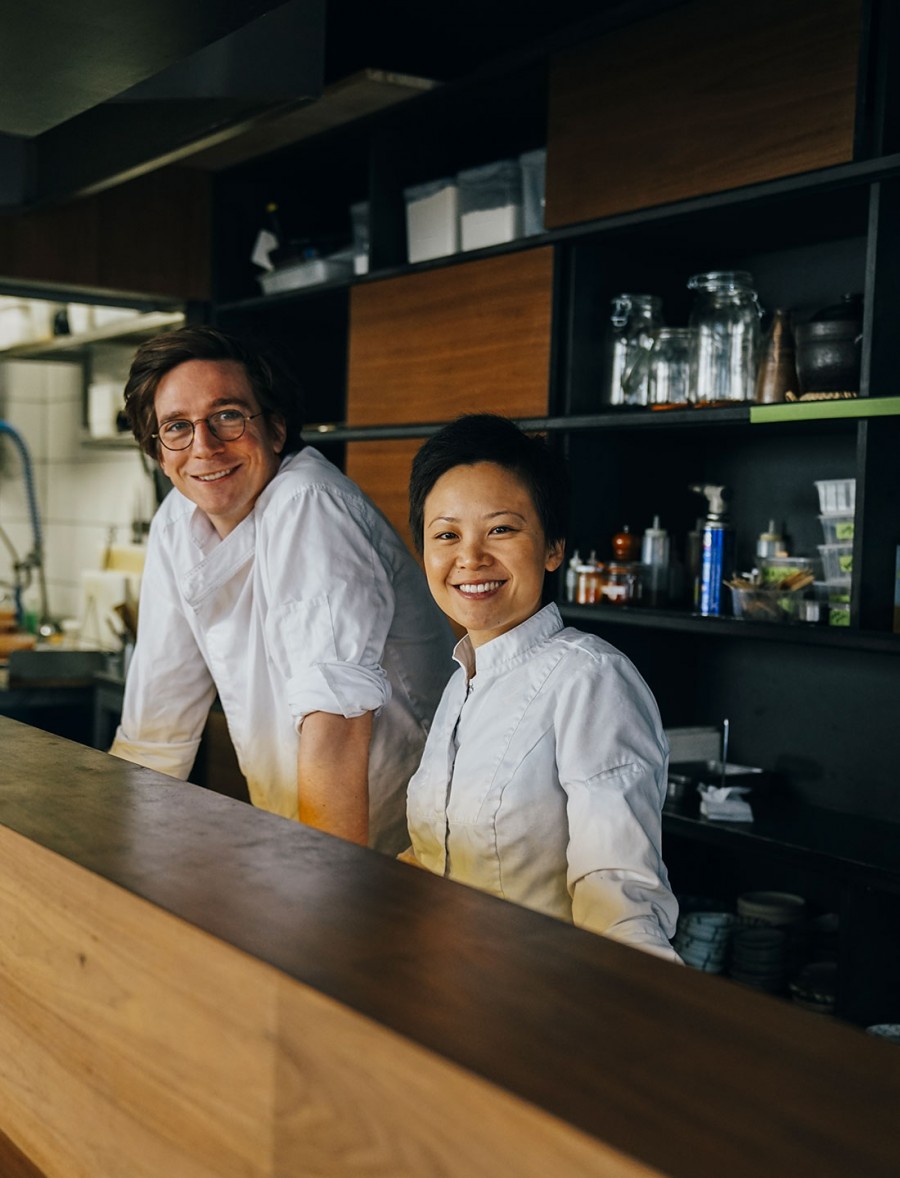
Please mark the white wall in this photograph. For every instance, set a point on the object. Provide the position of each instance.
(82, 492)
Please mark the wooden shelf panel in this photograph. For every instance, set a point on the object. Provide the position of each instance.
(471, 338)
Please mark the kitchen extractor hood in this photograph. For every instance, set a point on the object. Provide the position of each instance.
(94, 93)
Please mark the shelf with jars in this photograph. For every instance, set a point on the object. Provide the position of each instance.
(523, 327)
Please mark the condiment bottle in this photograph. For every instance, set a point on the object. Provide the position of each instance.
(625, 545)
(655, 557)
(770, 543)
(589, 588)
(777, 370)
(572, 576)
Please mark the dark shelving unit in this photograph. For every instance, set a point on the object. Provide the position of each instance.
(816, 705)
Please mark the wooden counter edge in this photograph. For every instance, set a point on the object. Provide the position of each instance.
(132, 1042)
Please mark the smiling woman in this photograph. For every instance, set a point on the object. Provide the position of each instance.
(485, 551)
(544, 772)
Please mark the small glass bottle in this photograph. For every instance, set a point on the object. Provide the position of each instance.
(725, 317)
(635, 320)
(626, 545)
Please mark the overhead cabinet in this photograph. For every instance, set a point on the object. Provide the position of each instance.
(704, 97)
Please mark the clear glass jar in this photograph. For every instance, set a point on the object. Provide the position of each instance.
(635, 320)
(725, 317)
(670, 366)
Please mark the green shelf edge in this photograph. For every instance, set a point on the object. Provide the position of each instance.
(823, 410)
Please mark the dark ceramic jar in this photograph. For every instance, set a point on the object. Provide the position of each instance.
(828, 348)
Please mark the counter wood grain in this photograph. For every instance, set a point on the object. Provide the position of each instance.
(191, 986)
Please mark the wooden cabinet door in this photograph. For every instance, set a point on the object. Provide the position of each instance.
(472, 337)
(708, 96)
(382, 469)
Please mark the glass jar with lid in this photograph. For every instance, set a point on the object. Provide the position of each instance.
(635, 320)
(725, 348)
(670, 367)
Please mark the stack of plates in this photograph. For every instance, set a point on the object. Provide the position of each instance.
(703, 939)
(815, 986)
(764, 942)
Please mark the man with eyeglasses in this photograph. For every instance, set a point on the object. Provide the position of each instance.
(273, 581)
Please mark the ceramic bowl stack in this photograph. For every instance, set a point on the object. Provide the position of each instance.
(765, 939)
(703, 939)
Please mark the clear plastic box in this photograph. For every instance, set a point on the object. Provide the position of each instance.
(762, 604)
(359, 222)
(837, 596)
(836, 496)
(837, 561)
(432, 219)
(305, 272)
(837, 529)
(534, 174)
(490, 204)
(775, 568)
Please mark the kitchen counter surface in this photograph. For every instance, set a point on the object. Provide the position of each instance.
(623, 1063)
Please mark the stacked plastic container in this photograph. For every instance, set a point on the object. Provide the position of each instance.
(837, 503)
(478, 207)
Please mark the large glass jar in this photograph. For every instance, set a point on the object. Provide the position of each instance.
(725, 318)
(635, 320)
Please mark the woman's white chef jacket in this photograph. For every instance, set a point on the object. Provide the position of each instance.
(543, 779)
(311, 604)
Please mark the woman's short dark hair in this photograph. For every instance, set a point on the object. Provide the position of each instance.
(274, 388)
(485, 437)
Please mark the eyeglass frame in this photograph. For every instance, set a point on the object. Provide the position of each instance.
(245, 417)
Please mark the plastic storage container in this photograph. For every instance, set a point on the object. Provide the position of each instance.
(836, 496)
(836, 595)
(359, 222)
(432, 219)
(764, 604)
(837, 529)
(490, 204)
(305, 272)
(775, 568)
(837, 561)
(534, 176)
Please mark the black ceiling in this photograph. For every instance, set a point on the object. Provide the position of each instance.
(95, 91)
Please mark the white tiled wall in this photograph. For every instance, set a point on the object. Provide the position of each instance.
(82, 493)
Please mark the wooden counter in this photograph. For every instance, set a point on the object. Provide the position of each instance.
(190, 987)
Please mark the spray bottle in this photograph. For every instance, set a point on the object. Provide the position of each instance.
(718, 550)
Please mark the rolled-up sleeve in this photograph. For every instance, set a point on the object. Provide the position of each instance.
(331, 605)
(612, 756)
(169, 690)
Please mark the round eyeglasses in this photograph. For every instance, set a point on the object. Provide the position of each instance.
(227, 425)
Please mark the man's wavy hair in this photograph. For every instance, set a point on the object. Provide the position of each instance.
(276, 391)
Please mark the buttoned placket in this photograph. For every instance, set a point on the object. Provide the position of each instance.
(454, 746)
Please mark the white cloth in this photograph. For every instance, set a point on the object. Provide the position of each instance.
(311, 604)
(543, 780)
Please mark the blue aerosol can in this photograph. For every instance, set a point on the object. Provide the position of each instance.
(717, 560)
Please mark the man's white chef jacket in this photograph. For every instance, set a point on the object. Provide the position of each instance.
(311, 604)
(543, 779)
